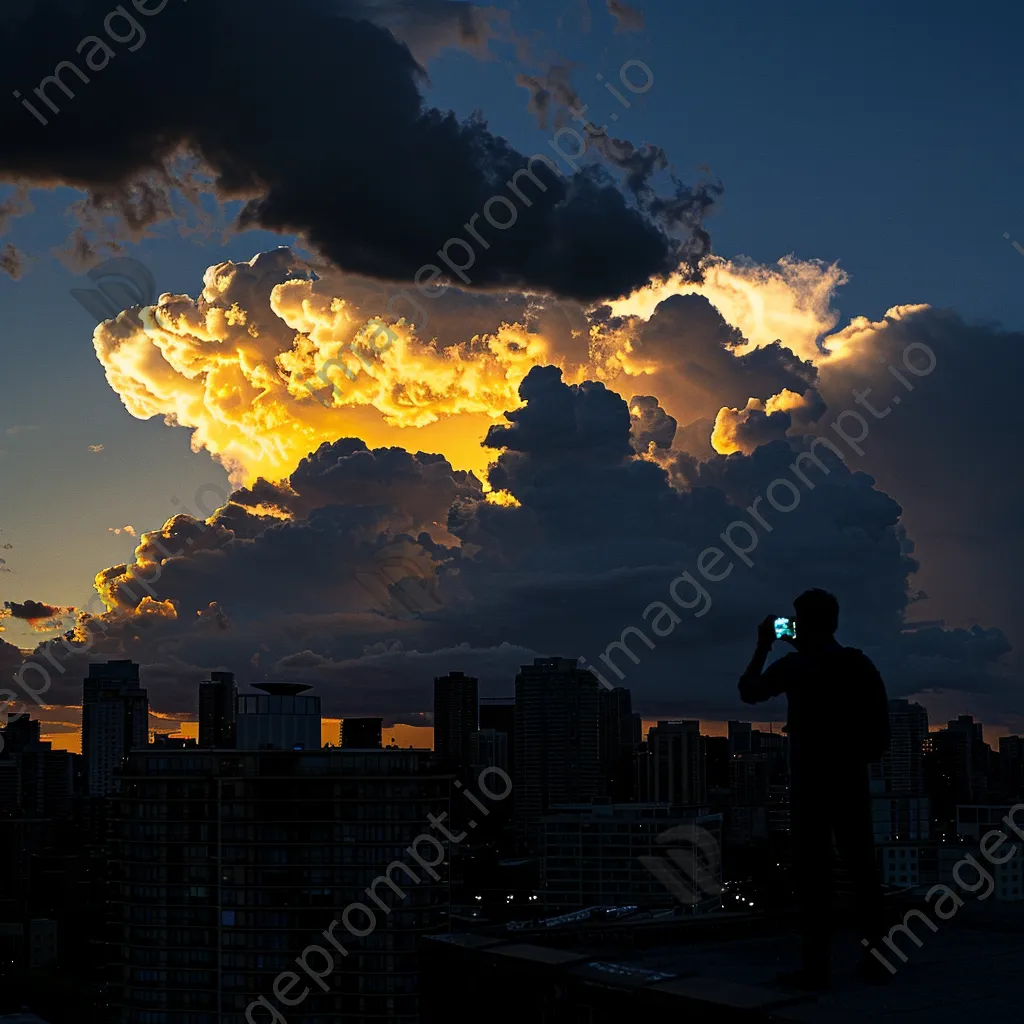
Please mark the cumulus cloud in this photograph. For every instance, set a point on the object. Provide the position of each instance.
(757, 423)
(267, 363)
(360, 553)
(271, 360)
(651, 424)
(43, 618)
(369, 571)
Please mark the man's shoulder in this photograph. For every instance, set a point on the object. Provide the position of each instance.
(791, 662)
(856, 655)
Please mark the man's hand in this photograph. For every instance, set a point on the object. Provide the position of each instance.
(754, 687)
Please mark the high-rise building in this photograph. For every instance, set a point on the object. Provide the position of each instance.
(619, 741)
(19, 733)
(676, 762)
(115, 720)
(35, 780)
(557, 739)
(903, 765)
(716, 762)
(499, 714)
(741, 738)
(490, 750)
(230, 866)
(362, 733)
(1011, 765)
(455, 719)
(957, 767)
(218, 711)
(282, 717)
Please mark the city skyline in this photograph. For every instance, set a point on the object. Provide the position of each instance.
(510, 512)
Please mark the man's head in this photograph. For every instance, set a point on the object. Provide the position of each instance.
(817, 616)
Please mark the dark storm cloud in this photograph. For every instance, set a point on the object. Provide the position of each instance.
(316, 119)
(347, 472)
(651, 424)
(949, 450)
(689, 336)
(31, 610)
(595, 542)
(679, 208)
(758, 427)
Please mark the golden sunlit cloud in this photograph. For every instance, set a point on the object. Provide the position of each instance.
(271, 361)
(790, 301)
(742, 430)
(240, 366)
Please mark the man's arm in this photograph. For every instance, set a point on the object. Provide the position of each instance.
(758, 684)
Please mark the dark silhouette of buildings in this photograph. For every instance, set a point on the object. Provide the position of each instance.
(901, 810)
(498, 714)
(1011, 766)
(218, 711)
(115, 720)
(198, 874)
(455, 719)
(170, 741)
(630, 854)
(716, 764)
(228, 864)
(557, 744)
(675, 763)
(958, 769)
(19, 733)
(362, 733)
(36, 781)
(282, 717)
(903, 765)
(620, 735)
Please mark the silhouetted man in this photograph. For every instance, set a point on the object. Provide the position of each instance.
(838, 723)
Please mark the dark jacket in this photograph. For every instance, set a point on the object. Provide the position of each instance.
(838, 708)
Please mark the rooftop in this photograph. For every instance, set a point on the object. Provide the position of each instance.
(967, 969)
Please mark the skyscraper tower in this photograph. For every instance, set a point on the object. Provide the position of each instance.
(557, 739)
(115, 720)
(218, 712)
(455, 719)
(903, 765)
(676, 763)
(499, 715)
(619, 740)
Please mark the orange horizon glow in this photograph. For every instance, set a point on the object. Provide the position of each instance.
(420, 737)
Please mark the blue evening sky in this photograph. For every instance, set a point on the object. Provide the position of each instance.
(885, 136)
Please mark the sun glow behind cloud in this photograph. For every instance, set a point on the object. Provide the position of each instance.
(240, 364)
